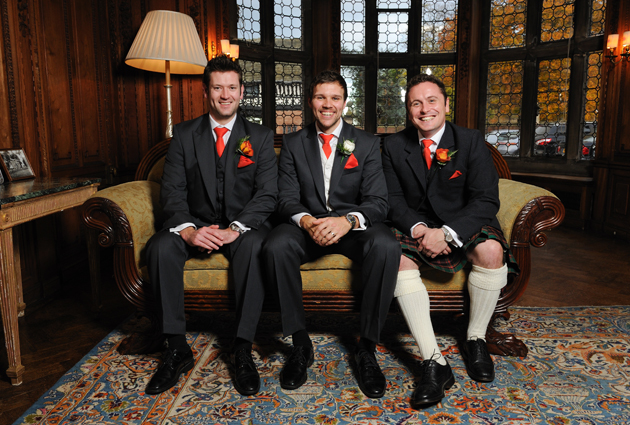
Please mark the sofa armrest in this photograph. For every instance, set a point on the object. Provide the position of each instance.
(526, 212)
(125, 217)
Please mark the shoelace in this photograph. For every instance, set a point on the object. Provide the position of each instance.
(298, 356)
(369, 362)
(243, 358)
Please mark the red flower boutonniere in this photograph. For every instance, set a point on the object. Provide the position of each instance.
(244, 149)
(443, 156)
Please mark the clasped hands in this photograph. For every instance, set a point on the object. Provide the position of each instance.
(325, 231)
(431, 242)
(209, 238)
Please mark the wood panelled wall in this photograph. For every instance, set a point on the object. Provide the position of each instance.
(611, 211)
(69, 100)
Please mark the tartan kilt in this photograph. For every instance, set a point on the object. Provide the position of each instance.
(456, 260)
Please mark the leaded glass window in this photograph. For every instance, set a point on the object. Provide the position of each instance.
(592, 87)
(251, 105)
(504, 96)
(439, 26)
(557, 20)
(355, 106)
(288, 24)
(289, 97)
(390, 103)
(507, 23)
(353, 26)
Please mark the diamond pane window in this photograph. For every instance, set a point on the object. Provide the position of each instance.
(353, 26)
(390, 101)
(439, 26)
(553, 103)
(446, 73)
(503, 106)
(598, 16)
(289, 97)
(393, 4)
(592, 87)
(507, 23)
(288, 24)
(251, 105)
(392, 32)
(248, 23)
(557, 20)
(355, 106)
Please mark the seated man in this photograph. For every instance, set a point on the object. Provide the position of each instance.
(444, 197)
(333, 199)
(218, 190)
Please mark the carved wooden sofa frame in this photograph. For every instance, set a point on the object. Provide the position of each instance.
(125, 216)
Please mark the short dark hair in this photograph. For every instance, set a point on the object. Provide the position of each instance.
(328, 77)
(222, 64)
(425, 78)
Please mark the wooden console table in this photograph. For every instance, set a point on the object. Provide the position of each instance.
(20, 202)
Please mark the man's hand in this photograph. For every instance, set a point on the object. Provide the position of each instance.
(431, 241)
(327, 230)
(208, 238)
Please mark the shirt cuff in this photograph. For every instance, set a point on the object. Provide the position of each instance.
(241, 226)
(181, 227)
(297, 217)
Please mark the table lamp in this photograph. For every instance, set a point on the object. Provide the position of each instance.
(167, 42)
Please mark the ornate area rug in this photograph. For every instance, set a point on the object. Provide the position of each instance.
(577, 372)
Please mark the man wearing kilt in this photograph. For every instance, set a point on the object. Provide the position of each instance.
(444, 197)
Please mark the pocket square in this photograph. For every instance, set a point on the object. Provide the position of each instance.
(455, 175)
(244, 162)
(352, 162)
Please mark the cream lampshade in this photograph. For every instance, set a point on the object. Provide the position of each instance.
(167, 42)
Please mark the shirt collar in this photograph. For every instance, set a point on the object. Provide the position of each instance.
(436, 137)
(335, 132)
(229, 125)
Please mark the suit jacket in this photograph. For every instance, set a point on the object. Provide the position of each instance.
(464, 193)
(190, 186)
(301, 178)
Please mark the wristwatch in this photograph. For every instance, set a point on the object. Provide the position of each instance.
(352, 219)
(236, 228)
(447, 235)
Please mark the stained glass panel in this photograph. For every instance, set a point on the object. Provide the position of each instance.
(504, 97)
(288, 24)
(557, 20)
(507, 23)
(248, 21)
(553, 103)
(289, 97)
(390, 101)
(439, 26)
(251, 105)
(353, 26)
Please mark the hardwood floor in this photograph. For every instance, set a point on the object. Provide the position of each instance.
(54, 337)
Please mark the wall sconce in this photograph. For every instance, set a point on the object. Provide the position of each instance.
(225, 47)
(230, 50)
(613, 42)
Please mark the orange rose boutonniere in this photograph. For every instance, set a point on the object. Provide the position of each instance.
(443, 156)
(244, 149)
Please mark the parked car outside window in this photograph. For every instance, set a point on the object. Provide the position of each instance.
(507, 141)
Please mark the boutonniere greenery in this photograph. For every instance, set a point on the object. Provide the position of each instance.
(443, 156)
(244, 147)
(346, 147)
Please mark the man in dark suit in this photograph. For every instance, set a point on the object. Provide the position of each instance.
(444, 197)
(332, 199)
(218, 190)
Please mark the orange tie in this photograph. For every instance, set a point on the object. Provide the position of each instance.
(427, 151)
(220, 143)
(326, 147)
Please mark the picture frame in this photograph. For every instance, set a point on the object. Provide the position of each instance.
(15, 164)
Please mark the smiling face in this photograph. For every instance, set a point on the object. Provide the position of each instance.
(427, 108)
(327, 103)
(225, 94)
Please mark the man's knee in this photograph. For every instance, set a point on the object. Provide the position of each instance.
(407, 263)
(488, 254)
(163, 242)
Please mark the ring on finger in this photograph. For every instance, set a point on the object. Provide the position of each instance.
(333, 233)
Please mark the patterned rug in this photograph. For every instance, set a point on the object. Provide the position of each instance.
(577, 372)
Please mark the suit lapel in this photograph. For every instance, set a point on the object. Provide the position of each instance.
(203, 140)
(339, 161)
(447, 142)
(313, 158)
(238, 132)
(414, 157)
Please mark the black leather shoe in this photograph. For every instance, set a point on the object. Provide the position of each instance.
(294, 374)
(371, 380)
(478, 361)
(174, 363)
(434, 381)
(246, 379)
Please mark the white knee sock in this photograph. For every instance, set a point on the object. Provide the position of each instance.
(413, 300)
(484, 287)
